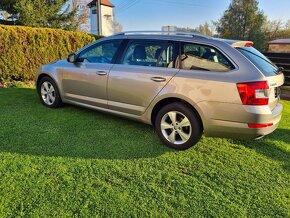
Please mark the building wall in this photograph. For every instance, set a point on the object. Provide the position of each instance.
(91, 25)
(107, 20)
(94, 20)
(279, 48)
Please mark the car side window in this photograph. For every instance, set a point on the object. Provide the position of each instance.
(149, 53)
(102, 52)
(202, 57)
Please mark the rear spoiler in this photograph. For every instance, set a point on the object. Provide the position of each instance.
(242, 44)
(237, 43)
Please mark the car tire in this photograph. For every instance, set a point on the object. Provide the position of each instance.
(178, 126)
(48, 93)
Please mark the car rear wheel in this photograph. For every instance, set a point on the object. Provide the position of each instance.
(48, 93)
(178, 126)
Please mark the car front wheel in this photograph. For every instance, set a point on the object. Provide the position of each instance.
(48, 93)
(178, 126)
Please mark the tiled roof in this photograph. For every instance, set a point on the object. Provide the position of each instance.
(103, 2)
(280, 41)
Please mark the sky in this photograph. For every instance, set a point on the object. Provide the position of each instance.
(153, 14)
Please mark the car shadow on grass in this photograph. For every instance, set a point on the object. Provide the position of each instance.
(70, 131)
(269, 146)
(32, 129)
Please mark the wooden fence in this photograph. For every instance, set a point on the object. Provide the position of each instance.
(281, 60)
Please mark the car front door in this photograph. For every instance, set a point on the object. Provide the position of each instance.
(86, 80)
(145, 67)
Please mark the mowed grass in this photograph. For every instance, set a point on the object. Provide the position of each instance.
(74, 162)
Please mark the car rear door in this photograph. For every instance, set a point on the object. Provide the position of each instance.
(145, 67)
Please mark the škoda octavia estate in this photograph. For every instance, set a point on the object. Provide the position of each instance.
(184, 84)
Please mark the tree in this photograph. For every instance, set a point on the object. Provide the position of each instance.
(8, 10)
(8, 6)
(82, 15)
(273, 29)
(117, 27)
(41, 13)
(185, 29)
(243, 20)
(206, 29)
(276, 30)
(287, 24)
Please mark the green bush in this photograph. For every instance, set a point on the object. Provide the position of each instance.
(24, 49)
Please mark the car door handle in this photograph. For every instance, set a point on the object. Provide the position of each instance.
(102, 73)
(158, 79)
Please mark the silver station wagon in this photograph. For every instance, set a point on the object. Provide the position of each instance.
(184, 84)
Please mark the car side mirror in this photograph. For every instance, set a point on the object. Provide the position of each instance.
(72, 58)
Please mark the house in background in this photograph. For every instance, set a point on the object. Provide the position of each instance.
(88, 13)
(107, 17)
(169, 28)
(7, 19)
(279, 46)
(279, 53)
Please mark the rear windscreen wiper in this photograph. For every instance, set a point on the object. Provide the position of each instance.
(280, 70)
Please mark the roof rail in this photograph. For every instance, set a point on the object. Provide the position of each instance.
(192, 34)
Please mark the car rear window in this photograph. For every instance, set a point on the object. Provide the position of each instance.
(260, 61)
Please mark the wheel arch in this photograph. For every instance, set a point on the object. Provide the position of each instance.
(59, 99)
(42, 75)
(169, 100)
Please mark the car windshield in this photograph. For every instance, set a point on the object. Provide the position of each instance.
(260, 61)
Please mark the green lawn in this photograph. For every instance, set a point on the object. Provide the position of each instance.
(73, 162)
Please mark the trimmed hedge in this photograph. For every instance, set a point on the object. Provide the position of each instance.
(24, 49)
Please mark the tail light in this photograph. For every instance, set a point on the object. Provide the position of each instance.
(249, 44)
(254, 93)
(259, 125)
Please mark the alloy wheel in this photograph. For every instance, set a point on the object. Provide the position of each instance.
(176, 127)
(48, 93)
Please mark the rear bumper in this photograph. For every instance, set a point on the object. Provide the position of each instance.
(239, 128)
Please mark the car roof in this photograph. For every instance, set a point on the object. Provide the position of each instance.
(171, 35)
(180, 36)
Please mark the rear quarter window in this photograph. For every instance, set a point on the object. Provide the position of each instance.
(260, 61)
(203, 57)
